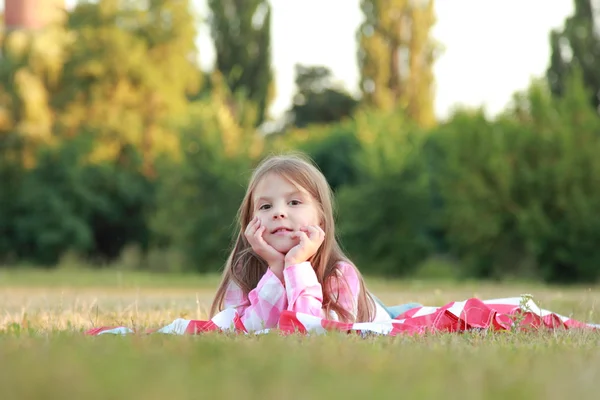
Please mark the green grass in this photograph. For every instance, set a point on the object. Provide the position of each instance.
(43, 353)
(104, 278)
(272, 367)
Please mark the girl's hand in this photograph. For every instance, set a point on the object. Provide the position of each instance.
(254, 234)
(311, 239)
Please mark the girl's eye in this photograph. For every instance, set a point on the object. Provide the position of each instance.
(264, 207)
(295, 202)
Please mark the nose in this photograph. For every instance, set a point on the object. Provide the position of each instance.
(278, 213)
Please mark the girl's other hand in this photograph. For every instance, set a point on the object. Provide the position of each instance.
(311, 239)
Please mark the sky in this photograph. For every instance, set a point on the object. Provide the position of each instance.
(493, 48)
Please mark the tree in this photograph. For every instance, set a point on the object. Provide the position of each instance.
(30, 73)
(241, 32)
(396, 56)
(317, 99)
(577, 45)
(130, 69)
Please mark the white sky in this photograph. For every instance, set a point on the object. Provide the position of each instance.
(492, 47)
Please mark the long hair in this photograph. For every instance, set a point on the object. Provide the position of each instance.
(245, 268)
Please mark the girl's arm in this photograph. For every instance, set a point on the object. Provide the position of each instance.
(345, 288)
(303, 290)
(305, 294)
(263, 305)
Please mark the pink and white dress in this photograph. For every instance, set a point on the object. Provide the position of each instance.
(300, 292)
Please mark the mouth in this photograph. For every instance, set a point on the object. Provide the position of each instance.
(281, 231)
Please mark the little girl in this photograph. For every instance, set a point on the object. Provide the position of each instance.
(286, 256)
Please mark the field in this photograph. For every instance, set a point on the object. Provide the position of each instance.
(43, 353)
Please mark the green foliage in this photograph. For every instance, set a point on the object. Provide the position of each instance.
(11, 174)
(65, 203)
(519, 195)
(111, 150)
(576, 47)
(335, 155)
(241, 33)
(384, 217)
(128, 73)
(396, 54)
(317, 99)
(333, 148)
(198, 197)
(50, 217)
(473, 177)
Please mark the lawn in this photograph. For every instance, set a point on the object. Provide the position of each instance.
(43, 353)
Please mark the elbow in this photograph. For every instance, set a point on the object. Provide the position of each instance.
(312, 305)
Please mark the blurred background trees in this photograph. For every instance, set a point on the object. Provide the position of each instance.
(113, 141)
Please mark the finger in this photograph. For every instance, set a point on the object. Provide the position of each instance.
(316, 234)
(303, 237)
(306, 230)
(252, 227)
(260, 241)
(258, 236)
(313, 233)
(320, 231)
(259, 232)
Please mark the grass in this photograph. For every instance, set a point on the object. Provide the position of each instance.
(43, 353)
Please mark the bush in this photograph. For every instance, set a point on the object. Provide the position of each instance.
(332, 147)
(384, 219)
(67, 203)
(198, 196)
(519, 194)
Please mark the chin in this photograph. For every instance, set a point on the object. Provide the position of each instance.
(282, 246)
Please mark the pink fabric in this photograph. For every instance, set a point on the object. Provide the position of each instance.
(301, 293)
(509, 314)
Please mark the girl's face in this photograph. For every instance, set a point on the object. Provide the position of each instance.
(282, 208)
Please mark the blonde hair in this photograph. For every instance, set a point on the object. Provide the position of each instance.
(245, 268)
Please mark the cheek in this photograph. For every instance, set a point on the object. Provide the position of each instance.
(320, 220)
